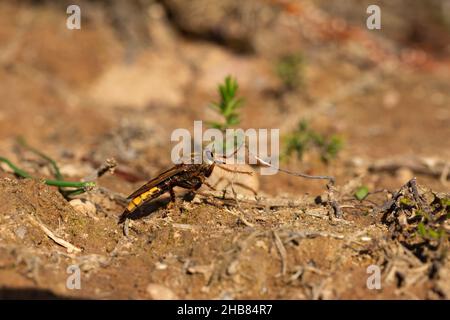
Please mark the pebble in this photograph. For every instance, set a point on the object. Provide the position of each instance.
(72, 170)
(391, 99)
(404, 175)
(160, 292)
(160, 266)
(233, 267)
(84, 207)
(21, 231)
(244, 184)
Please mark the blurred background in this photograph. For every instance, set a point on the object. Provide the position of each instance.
(343, 96)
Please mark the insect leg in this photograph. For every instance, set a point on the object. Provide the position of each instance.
(209, 185)
(234, 170)
(173, 197)
(192, 184)
(174, 202)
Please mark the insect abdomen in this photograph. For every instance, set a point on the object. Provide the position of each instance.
(140, 199)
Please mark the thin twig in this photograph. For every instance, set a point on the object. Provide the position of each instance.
(108, 166)
(332, 200)
(126, 230)
(293, 235)
(281, 250)
(242, 215)
(444, 175)
(70, 247)
(419, 165)
(221, 199)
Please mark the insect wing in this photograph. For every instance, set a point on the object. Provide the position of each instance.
(160, 178)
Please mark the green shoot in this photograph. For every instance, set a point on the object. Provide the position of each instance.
(228, 105)
(59, 182)
(429, 233)
(17, 171)
(361, 193)
(56, 172)
(290, 71)
(52, 162)
(305, 138)
(50, 182)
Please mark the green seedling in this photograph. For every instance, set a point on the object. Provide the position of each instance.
(361, 193)
(228, 108)
(228, 105)
(304, 138)
(75, 187)
(290, 69)
(429, 233)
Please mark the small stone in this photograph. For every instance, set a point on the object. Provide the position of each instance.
(160, 266)
(4, 167)
(196, 200)
(84, 207)
(160, 292)
(233, 267)
(261, 244)
(21, 231)
(206, 270)
(226, 296)
(357, 162)
(404, 175)
(243, 183)
(391, 99)
(72, 170)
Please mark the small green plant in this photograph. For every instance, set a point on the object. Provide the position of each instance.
(228, 105)
(445, 203)
(75, 187)
(405, 202)
(361, 193)
(429, 233)
(431, 223)
(228, 108)
(305, 138)
(290, 69)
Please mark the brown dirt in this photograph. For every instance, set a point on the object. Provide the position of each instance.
(109, 91)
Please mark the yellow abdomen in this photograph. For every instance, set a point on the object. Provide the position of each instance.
(137, 201)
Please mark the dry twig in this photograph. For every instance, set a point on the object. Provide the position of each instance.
(70, 247)
(281, 250)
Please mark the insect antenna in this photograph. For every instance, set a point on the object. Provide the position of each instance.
(230, 155)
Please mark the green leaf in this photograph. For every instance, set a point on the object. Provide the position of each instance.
(406, 202)
(228, 104)
(421, 229)
(361, 193)
(433, 234)
(445, 202)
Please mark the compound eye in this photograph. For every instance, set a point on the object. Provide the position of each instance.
(209, 155)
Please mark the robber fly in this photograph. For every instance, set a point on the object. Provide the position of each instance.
(189, 176)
